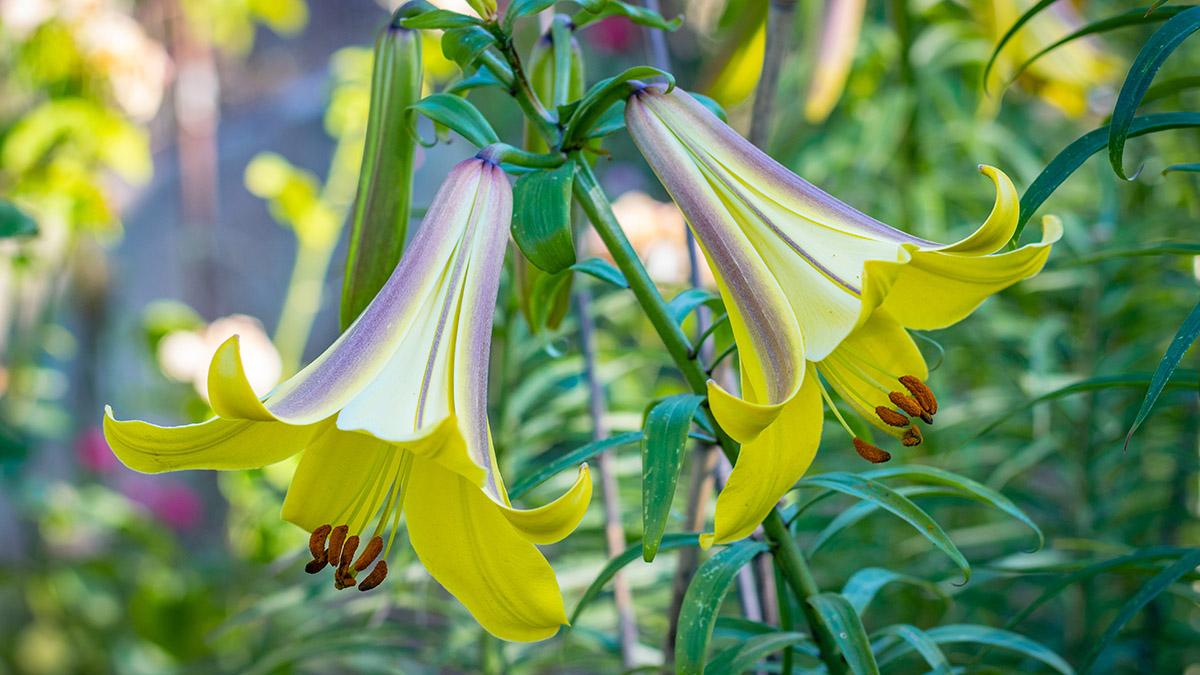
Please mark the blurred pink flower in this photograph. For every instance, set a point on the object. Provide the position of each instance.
(614, 35)
(93, 452)
(171, 502)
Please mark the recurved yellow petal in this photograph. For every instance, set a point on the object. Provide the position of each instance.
(229, 390)
(554, 521)
(742, 419)
(215, 444)
(343, 478)
(1000, 224)
(935, 289)
(471, 548)
(768, 466)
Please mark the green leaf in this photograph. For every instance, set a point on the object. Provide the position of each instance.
(1151, 57)
(1134, 17)
(1184, 337)
(669, 542)
(698, 613)
(917, 639)
(999, 638)
(687, 301)
(1170, 88)
(520, 8)
(1073, 156)
(595, 10)
(665, 437)
(855, 514)
(1008, 35)
(14, 222)
(481, 78)
(553, 466)
(1181, 379)
(583, 115)
(1193, 167)
(963, 486)
(862, 586)
(1152, 588)
(1135, 559)
(464, 45)
(847, 630)
(601, 270)
(541, 222)
(741, 657)
(440, 19)
(895, 503)
(458, 115)
(382, 204)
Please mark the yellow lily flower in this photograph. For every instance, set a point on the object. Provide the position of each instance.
(840, 30)
(392, 418)
(815, 291)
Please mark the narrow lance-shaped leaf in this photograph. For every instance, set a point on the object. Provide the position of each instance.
(1141, 74)
(916, 639)
(895, 503)
(862, 586)
(665, 437)
(999, 638)
(1184, 337)
(698, 613)
(572, 459)
(1008, 35)
(671, 541)
(602, 270)
(847, 630)
(1134, 17)
(458, 115)
(381, 207)
(1152, 588)
(741, 657)
(1074, 155)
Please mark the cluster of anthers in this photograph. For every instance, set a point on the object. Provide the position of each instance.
(919, 402)
(330, 546)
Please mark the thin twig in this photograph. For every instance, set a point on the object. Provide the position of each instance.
(614, 531)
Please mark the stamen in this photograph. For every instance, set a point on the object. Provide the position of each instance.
(374, 546)
(871, 453)
(912, 437)
(316, 543)
(921, 392)
(348, 551)
(342, 581)
(909, 405)
(336, 539)
(833, 408)
(317, 564)
(891, 417)
(376, 576)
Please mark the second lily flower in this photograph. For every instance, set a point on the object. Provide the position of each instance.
(815, 290)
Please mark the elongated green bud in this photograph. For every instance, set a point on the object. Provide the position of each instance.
(381, 207)
(556, 76)
(555, 73)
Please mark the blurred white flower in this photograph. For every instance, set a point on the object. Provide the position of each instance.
(184, 355)
(658, 233)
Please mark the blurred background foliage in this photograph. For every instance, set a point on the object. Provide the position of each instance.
(197, 124)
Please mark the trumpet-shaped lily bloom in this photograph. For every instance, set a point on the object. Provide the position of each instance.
(392, 419)
(819, 297)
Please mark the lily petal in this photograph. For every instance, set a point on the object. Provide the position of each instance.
(229, 390)
(934, 289)
(552, 522)
(771, 348)
(215, 444)
(343, 478)
(769, 466)
(1001, 223)
(471, 548)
